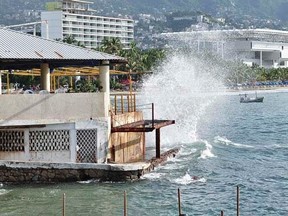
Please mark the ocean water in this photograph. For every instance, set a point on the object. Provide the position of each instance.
(234, 145)
(223, 142)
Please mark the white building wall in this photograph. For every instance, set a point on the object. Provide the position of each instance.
(244, 44)
(55, 28)
(28, 109)
(57, 143)
(35, 121)
(284, 53)
(89, 30)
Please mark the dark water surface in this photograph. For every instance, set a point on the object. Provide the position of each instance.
(237, 144)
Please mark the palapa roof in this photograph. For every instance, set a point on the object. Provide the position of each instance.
(24, 51)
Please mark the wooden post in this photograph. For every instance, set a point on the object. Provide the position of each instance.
(125, 204)
(238, 201)
(122, 104)
(63, 204)
(158, 152)
(128, 102)
(51, 81)
(115, 104)
(54, 82)
(71, 83)
(131, 101)
(179, 202)
(134, 102)
(222, 213)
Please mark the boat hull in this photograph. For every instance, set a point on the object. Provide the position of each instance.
(252, 100)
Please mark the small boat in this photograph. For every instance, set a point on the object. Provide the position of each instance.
(245, 99)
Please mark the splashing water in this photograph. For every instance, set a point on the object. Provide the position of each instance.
(188, 179)
(181, 89)
(207, 152)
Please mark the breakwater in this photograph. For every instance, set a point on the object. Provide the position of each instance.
(36, 172)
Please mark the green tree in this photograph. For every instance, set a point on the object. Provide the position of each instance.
(70, 39)
(111, 45)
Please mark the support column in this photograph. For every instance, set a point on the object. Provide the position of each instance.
(45, 76)
(0, 82)
(158, 152)
(105, 84)
(73, 146)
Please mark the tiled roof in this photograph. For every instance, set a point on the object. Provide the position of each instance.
(18, 46)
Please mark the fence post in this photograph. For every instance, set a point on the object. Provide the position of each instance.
(238, 201)
(179, 202)
(125, 204)
(63, 204)
(222, 213)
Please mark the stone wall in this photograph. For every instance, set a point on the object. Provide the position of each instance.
(31, 172)
(42, 175)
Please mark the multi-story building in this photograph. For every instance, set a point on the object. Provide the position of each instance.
(263, 47)
(76, 18)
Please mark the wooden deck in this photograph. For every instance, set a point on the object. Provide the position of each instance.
(142, 126)
(145, 126)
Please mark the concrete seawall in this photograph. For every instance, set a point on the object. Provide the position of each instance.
(17, 172)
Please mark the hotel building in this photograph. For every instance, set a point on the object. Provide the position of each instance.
(263, 47)
(76, 18)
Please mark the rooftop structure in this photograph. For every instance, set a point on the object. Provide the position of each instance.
(17, 54)
(76, 18)
(264, 47)
(54, 132)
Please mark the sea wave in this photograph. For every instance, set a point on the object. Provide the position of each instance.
(152, 176)
(225, 141)
(207, 152)
(188, 179)
(89, 181)
(3, 191)
(185, 152)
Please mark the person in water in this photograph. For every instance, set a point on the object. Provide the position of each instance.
(195, 178)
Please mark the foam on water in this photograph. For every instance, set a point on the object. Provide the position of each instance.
(207, 152)
(185, 152)
(188, 179)
(88, 181)
(225, 141)
(153, 176)
(3, 191)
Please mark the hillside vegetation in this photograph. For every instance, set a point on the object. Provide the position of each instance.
(12, 11)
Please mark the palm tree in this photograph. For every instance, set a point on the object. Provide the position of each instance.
(69, 39)
(111, 45)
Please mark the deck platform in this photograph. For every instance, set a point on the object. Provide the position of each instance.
(145, 126)
(142, 126)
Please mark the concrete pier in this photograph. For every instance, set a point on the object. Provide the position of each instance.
(17, 172)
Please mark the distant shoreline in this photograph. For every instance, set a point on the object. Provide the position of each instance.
(257, 88)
